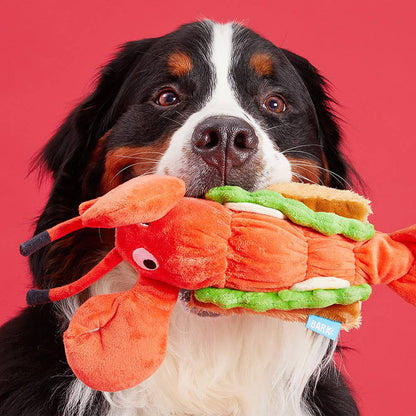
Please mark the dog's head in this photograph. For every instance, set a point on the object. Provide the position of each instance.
(209, 103)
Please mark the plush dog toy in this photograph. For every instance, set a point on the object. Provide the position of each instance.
(235, 251)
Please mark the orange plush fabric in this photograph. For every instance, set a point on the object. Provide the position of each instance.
(241, 250)
(406, 286)
(129, 204)
(116, 341)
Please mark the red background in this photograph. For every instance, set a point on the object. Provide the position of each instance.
(50, 53)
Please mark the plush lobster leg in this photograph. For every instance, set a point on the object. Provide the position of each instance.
(44, 238)
(390, 259)
(38, 296)
(116, 341)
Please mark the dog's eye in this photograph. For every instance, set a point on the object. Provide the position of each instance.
(275, 103)
(166, 98)
(144, 259)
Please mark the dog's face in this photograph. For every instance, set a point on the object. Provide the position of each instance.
(215, 104)
(212, 104)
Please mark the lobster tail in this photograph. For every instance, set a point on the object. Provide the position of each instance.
(406, 285)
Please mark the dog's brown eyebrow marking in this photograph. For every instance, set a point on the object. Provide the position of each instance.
(262, 63)
(179, 64)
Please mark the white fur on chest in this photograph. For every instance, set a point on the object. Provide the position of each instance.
(245, 365)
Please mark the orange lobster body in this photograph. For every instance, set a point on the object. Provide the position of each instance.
(117, 340)
(201, 243)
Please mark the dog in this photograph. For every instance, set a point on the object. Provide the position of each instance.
(212, 104)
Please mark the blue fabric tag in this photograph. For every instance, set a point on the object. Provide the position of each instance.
(323, 326)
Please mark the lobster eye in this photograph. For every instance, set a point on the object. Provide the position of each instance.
(144, 259)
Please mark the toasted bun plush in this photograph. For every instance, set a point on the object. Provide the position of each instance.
(321, 198)
(348, 315)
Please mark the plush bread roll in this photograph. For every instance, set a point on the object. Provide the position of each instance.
(348, 315)
(322, 198)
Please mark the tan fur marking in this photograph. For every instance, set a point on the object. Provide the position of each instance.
(262, 63)
(327, 178)
(96, 155)
(135, 160)
(306, 170)
(179, 64)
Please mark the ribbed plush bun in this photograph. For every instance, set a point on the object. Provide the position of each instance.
(348, 315)
(322, 198)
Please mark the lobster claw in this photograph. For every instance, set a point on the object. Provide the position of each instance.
(116, 341)
(139, 200)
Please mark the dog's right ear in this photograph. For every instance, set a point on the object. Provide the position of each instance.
(96, 114)
(67, 155)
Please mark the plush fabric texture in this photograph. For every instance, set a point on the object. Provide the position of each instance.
(406, 286)
(104, 266)
(326, 223)
(348, 315)
(321, 198)
(142, 199)
(116, 341)
(284, 299)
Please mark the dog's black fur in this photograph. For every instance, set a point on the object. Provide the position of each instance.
(34, 374)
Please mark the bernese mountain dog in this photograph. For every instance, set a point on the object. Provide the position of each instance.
(212, 104)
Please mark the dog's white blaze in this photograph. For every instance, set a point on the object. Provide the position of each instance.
(223, 100)
(276, 167)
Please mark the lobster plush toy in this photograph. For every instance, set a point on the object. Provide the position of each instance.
(235, 252)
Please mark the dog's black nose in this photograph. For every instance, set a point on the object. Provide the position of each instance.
(224, 142)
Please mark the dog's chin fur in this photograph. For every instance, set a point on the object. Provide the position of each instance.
(237, 365)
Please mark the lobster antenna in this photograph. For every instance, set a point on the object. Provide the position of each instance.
(39, 296)
(45, 237)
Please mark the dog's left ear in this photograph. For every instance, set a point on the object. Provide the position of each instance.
(329, 130)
